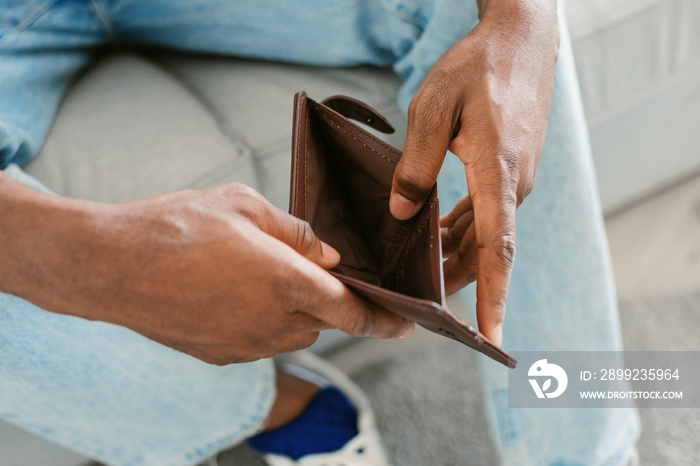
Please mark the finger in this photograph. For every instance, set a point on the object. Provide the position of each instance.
(462, 207)
(359, 318)
(298, 234)
(495, 202)
(327, 299)
(461, 268)
(452, 237)
(288, 343)
(298, 322)
(222, 354)
(430, 127)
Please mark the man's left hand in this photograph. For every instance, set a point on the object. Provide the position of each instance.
(487, 101)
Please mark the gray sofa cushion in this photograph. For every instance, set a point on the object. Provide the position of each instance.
(639, 67)
(135, 126)
(128, 130)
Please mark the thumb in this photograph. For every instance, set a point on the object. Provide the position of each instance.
(296, 233)
(427, 141)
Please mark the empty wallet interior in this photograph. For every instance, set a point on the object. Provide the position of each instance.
(347, 201)
(341, 182)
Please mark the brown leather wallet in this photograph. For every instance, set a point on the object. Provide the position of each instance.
(341, 181)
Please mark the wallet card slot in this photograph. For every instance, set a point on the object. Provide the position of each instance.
(420, 238)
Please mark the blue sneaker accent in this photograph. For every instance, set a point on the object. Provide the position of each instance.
(328, 423)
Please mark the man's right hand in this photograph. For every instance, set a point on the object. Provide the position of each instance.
(220, 274)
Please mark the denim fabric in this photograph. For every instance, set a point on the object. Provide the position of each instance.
(562, 294)
(113, 395)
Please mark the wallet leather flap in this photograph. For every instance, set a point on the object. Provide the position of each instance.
(341, 182)
(359, 111)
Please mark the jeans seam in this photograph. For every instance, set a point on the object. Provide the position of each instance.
(402, 15)
(35, 15)
(101, 14)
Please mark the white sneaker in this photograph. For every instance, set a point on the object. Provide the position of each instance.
(365, 449)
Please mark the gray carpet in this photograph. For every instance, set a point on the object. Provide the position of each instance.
(414, 396)
(666, 323)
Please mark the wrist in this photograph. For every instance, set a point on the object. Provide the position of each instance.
(543, 6)
(530, 23)
(45, 246)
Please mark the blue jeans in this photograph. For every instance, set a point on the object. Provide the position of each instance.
(115, 396)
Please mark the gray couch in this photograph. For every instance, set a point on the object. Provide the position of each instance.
(137, 125)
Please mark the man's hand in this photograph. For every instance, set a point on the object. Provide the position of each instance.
(220, 274)
(486, 100)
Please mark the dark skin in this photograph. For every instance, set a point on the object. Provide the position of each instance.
(486, 100)
(220, 274)
(224, 276)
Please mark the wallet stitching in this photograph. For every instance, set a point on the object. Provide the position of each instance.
(356, 139)
(407, 250)
(327, 118)
(356, 110)
(478, 343)
(393, 245)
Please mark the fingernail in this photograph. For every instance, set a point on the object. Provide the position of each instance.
(401, 207)
(409, 331)
(330, 254)
(497, 335)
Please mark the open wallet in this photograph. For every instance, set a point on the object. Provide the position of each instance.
(341, 182)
